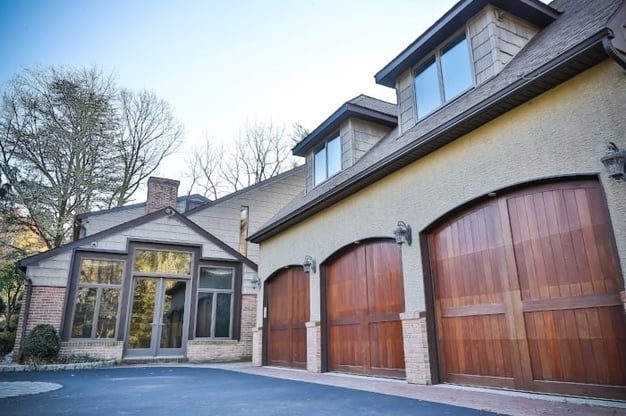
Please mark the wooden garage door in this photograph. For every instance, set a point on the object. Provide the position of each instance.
(527, 294)
(287, 305)
(364, 296)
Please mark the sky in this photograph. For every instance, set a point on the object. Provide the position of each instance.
(221, 64)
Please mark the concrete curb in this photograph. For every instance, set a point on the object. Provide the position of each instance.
(11, 368)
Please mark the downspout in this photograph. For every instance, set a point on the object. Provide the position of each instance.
(27, 297)
(615, 44)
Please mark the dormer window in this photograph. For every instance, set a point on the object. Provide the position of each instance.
(443, 76)
(327, 160)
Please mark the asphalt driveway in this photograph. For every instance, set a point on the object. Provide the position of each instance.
(202, 391)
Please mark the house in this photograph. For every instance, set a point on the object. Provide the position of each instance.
(509, 272)
(169, 278)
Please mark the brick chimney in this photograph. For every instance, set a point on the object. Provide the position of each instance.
(162, 193)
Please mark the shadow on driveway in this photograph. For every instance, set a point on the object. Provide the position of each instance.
(184, 391)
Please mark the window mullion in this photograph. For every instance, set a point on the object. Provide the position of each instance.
(213, 313)
(442, 92)
(96, 313)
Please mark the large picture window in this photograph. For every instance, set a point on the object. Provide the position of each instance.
(443, 76)
(215, 303)
(327, 160)
(97, 298)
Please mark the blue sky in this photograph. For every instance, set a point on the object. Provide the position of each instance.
(220, 63)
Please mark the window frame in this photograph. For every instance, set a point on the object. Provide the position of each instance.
(74, 290)
(435, 57)
(234, 303)
(324, 147)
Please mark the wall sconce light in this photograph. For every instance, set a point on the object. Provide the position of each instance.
(403, 234)
(309, 264)
(613, 161)
(256, 283)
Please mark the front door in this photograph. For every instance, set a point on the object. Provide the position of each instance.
(157, 317)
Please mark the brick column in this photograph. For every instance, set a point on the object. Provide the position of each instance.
(257, 346)
(314, 347)
(416, 356)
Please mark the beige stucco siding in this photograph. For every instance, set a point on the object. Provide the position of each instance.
(562, 132)
(223, 218)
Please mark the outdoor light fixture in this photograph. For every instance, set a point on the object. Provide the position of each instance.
(309, 264)
(256, 283)
(402, 233)
(613, 161)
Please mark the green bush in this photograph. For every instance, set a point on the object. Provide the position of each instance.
(7, 340)
(42, 343)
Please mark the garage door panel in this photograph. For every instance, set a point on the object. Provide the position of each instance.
(288, 311)
(387, 350)
(364, 296)
(346, 349)
(477, 345)
(565, 325)
(298, 337)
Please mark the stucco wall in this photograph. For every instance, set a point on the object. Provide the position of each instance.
(562, 132)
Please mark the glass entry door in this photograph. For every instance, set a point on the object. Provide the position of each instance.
(157, 317)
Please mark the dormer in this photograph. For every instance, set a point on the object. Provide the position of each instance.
(344, 137)
(468, 46)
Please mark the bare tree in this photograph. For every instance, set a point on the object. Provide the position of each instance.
(56, 147)
(70, 143)
(148, 132)
(205, 164)
(261, 151)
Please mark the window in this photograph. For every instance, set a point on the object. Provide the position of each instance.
(443, 76)
(327, 160)
(97, 298)
(162, 262)
(243, 230)
(215, 303)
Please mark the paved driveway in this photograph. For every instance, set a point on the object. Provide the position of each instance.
(185, 391)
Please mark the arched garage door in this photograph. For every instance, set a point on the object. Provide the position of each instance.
(287, 303)
(527, 294)
(364, 296)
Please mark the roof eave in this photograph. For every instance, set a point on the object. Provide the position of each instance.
(533, 11)
(560, 69)
(333, 122)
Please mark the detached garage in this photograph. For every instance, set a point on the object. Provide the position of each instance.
(526, 292)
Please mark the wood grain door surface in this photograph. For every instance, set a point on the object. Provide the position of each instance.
(527, 294)
(287, 313)
(364, 296)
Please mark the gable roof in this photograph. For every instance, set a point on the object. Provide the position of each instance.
(187, 198)
(240, 192)
(362, 107)
(22, 264)
(573, 43)
(532, 11)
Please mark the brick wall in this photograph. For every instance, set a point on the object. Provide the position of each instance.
(257, 346)
(46, 307)
(314, 347)
(228, 350)
(416, 347)
(97, 348)
(162, 193)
